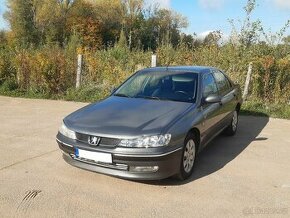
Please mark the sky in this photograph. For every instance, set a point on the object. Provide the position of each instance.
(205, 16)
(3, 8)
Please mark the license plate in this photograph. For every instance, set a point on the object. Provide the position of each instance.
(95, 156)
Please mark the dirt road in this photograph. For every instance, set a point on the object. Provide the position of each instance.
(246, 175)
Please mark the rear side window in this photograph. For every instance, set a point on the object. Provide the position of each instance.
(209, 85)
(222, 82)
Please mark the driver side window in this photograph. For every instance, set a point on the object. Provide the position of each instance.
(208, 85)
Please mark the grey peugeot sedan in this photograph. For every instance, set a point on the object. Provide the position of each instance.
(153, 125)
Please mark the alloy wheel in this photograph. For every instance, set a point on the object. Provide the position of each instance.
(235, 121)
(189, 156)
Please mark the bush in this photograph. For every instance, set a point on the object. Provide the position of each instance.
(111, 67)
(44, 70)
(85, 94)
(271, 80)
(8, 85)
(7, 69)
(51, 70)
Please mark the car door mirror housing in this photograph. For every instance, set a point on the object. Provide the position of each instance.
(213, 99)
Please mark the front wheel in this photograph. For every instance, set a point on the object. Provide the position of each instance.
(232, 128)
(188, 157)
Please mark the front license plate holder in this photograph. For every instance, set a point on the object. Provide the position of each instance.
(94, 156)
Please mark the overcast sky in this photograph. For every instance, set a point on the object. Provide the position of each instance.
(209, 15)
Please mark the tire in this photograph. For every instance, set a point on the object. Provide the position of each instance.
(188, 157)
(232, 128)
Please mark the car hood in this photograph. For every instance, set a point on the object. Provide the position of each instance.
(120, 116)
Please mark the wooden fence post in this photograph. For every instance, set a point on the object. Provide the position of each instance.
(79, 71)
(154, 60)
(248, 79)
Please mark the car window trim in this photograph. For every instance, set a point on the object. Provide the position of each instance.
(228, 90)
(228, 79)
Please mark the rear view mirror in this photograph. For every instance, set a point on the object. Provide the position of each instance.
(213, 99)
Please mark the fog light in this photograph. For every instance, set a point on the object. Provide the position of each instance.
(144, 168)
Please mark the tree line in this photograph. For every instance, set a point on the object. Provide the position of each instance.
(98, 24)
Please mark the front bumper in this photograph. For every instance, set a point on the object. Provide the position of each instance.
(168, 162)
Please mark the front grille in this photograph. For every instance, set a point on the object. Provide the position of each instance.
(108, 142)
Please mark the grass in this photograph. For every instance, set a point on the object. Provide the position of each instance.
(25, 94)
(95, 93)
(257, 108)
(83, 94)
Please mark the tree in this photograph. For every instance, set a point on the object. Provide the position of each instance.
(276, 38)
(83, 21)
(286, 40)
(97, 23)
(122, 42)
(249, 31)
(109, 14)
(53, 19)
(188, 40)
(21, 16)
(213, 38)
(169, 25)
(161, 26)
(3, 39)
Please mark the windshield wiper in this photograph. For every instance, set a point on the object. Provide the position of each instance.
(122, 95)
(147, 97)
(151, 97)
(177, 100)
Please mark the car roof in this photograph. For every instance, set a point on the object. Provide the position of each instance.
(195, 69)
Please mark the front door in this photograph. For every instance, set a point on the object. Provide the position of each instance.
(212, 112)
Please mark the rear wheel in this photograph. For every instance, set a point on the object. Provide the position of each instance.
(188, 157)
(232, 128)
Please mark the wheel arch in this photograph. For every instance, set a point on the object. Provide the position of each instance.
(195, 131)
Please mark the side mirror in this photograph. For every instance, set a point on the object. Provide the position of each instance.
(213, 99)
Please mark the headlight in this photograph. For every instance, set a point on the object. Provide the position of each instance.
(67, 132)
(146, 141)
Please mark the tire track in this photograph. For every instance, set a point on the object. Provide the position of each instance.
(25, 204)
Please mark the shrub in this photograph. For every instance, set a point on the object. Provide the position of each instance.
(8, 85)
(51, 70)
(7, 70)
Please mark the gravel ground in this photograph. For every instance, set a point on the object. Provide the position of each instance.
(245, 175)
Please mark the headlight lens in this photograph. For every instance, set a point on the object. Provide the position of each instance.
(67, 132)
(146, 141)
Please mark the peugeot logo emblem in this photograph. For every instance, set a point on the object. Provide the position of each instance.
(94, 140)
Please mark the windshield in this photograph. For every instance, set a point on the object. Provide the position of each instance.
(174, 86)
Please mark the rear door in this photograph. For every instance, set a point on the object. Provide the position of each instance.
(227, 93)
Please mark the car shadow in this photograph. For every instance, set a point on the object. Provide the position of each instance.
(222, 150)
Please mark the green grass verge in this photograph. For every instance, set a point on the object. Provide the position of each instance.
(83, 94)
(266, 109)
